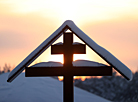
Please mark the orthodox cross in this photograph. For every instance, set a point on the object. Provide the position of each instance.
(68, 48)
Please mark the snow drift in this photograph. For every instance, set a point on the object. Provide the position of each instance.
(39, 89)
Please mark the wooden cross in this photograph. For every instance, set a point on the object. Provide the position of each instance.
(68, 70)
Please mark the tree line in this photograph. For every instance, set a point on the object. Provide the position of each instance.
(6, 68)
(114, 88)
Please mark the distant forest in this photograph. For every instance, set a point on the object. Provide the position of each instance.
(114, 88)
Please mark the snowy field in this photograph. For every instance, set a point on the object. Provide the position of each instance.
(39, 89)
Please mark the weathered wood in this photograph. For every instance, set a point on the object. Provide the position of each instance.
(92, 71)
(77, 49)
(43, 71)
(61, 71)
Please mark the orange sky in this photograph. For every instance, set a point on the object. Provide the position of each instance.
(113, 24)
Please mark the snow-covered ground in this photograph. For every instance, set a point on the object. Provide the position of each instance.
(39, 89)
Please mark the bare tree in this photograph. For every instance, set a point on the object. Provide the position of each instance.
(6, 68)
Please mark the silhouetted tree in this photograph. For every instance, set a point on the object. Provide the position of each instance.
(114, 88)
(6, 68)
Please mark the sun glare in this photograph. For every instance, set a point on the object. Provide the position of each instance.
(60, 9)
(82, 78)
(57, 58)
(76, 10)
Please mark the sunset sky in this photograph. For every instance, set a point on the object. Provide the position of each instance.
(25, 24)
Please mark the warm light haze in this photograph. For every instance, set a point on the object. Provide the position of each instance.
(25, 24)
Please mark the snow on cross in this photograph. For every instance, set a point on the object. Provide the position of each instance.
(107, 56)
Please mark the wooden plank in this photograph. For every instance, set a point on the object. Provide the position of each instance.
(43, 71)
(92, 71)
(68, 49)
(74, 71)
(79, 49)
(56, 49)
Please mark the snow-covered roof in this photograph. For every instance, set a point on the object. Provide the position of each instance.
(103, 53)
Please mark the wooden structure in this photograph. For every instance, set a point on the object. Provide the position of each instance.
(68, 48)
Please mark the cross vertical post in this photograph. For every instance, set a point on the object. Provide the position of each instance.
(68, 58)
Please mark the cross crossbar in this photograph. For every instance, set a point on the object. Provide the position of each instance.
(61, 71)
(77, 48)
